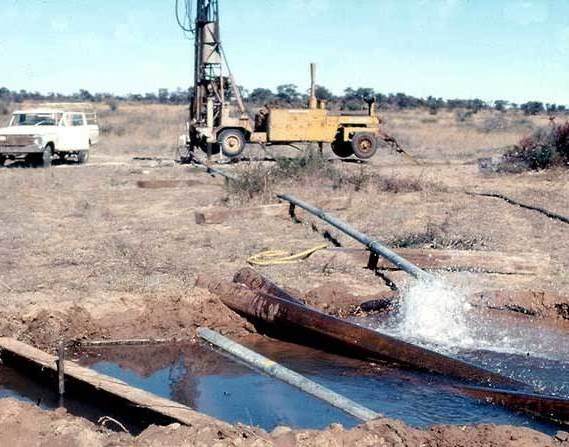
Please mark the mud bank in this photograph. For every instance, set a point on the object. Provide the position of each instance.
(25, 424)
(160, 316)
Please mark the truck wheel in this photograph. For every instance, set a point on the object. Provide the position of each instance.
(2, 160)
(232, 142)
(82, 157)
(40, 159)
(364, 145)
(342, 149)
(44, 158)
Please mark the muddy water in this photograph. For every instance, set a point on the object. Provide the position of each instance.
(221, 387)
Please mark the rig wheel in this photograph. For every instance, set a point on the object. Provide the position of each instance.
(342, 149)
(364, 145)
(232, 142)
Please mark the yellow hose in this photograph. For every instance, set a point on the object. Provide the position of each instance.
(278, 257)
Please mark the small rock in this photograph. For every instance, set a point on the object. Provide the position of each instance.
(280, 431)
(562, 436)
(174, 426)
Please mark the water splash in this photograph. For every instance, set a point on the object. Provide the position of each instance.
(434, 312)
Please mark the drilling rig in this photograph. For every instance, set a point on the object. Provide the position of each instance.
(214, 119)
(219, 121)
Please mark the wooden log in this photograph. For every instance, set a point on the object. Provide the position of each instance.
(15, 352)
(160, 184)
(217, 215)
(462, 260)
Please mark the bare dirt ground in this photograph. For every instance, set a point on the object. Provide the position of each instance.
(86, 253)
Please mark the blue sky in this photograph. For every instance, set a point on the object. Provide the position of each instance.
(493, 49)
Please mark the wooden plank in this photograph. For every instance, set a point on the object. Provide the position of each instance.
(217, 215)
(464, 260)
(119, 389)
(161, 184)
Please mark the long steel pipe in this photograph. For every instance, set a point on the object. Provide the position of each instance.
(274, 369)
(373, 245)
(287, 315)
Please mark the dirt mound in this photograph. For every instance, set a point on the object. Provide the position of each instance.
(336, 298)
(541, 304)
(22, 424)
(163, 316)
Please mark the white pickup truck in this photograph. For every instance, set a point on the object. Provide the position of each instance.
(39, 134)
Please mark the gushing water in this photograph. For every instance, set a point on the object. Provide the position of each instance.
(437, 314)
(434, 312)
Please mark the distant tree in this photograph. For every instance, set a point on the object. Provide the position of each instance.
(475, 105)
(85, 95)
(323, 93)
(150, 97)
(434, 104)
(163, 95)
(288, 92)
(500, 105)
(532, 108)
(261, 96)
(551, 108)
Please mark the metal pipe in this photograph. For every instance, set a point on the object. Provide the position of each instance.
(278, 371)
(61, 371)
(250, 278)
(373, 245)
(289, 316)
(312, 101)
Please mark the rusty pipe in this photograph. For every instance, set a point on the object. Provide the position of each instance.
(284, 314)
(253, 280)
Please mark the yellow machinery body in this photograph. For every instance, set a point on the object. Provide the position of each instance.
(316, 125)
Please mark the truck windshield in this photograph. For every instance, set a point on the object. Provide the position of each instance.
(33, 119)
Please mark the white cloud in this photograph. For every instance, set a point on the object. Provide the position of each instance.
(526, 12)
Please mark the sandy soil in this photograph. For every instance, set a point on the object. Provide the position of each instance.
(24, 425)
(86, 253)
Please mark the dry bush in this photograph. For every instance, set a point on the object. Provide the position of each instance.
(439, 237)
(109, 129)
(494, 123)
(254, 181)
(544, 148)
(404, 184)
(259, 182)
(4, 107)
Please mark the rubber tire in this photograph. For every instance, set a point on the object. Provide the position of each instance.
(41, 159)
(231, 142)
(82, 157)
(368, 140)
(45, 158)
(2, 160)
(342, 149)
